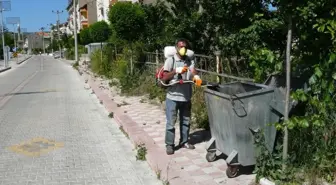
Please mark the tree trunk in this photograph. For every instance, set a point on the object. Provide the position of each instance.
(288, 77)
(101, 52)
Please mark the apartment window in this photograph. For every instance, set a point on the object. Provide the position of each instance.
(102, 12)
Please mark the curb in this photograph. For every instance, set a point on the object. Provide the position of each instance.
(137, 135)
(5, 69)
(23, 60)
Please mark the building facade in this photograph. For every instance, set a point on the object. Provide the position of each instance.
(71, 22)
(88, 13)
(35, 40)
(102, 10)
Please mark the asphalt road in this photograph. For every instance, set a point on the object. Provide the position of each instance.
(53, 131)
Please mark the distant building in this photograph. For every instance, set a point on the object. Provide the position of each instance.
(103, 7)
(35, 40)
(71, 21)
(89, 12)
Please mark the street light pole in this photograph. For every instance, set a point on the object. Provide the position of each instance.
(3, 38)
(51, 37)
(75, 30)
(14, 38)
(58, 29)
(42, 29)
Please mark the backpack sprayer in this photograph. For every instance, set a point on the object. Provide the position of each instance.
(170, 51)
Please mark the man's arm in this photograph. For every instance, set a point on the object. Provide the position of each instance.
(193, 69)
(194, 74)
(167, 73)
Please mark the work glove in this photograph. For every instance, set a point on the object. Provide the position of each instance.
(197, 80)
(181, 70)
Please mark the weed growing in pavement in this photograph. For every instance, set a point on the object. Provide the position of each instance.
(123, 131)
(158, 173)
(141, 152)
(165, 182)
(111, 115)
(75, 65)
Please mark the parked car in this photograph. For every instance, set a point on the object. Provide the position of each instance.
(56, 55)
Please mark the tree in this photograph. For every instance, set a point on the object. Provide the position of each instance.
(99, 31)
(85, 36)
(53, 46)
(127, 21)
(155, 36)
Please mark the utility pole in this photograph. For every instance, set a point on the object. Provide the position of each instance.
(58, 29)
(4, 6)
(14, 21)
(42, 29)
(14, 38)
(75, 29)
(51, 37)
(3, 38)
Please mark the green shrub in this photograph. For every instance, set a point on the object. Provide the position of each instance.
(100, 63)
(85, 36)
(99, 31)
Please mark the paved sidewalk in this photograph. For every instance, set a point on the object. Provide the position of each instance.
(14, 61)
(145, 123)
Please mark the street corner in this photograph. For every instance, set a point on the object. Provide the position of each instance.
(36, 147)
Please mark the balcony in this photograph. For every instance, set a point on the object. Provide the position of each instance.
(83, 10)
(84, 20)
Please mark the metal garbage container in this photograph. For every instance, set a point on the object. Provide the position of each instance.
(236, 111)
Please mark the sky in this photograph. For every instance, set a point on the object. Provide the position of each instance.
(35, 14)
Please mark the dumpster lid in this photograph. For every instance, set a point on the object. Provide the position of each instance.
(238, 89)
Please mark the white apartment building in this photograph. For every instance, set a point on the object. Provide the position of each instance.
(102, 10)
(71, 22)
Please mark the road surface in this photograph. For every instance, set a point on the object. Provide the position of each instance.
(53, 131)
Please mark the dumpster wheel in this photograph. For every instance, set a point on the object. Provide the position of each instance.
(210, 156)
(232, 171)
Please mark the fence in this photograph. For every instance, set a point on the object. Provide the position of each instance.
(210, 68)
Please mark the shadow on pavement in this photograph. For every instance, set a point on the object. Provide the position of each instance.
(199, 136)
(26, 93)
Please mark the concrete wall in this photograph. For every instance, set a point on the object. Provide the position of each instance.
(81, 3)
(92, 12)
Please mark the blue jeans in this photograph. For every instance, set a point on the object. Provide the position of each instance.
(184, 110)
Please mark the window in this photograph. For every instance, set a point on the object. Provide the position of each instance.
(102, 12)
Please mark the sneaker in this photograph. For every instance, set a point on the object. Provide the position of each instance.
(187, 146)
(170, 150)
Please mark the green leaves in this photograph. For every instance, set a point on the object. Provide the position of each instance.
(127, 20)
(99, 31)
(264, 63)
(85, 36)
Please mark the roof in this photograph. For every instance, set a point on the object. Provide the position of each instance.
(44, 33)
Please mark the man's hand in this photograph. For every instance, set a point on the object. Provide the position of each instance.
(181, 70)
(197, 80)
